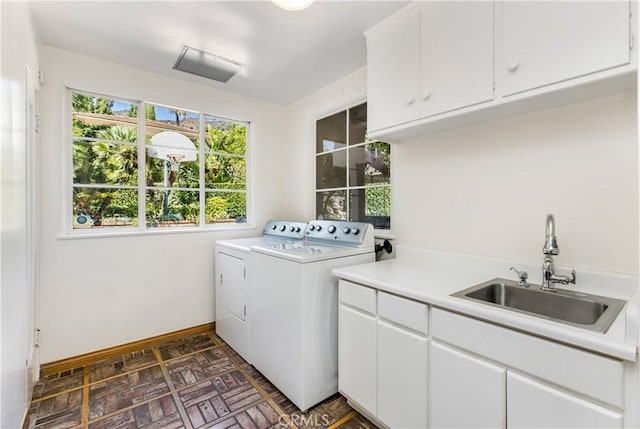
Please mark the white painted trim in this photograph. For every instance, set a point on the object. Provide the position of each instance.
(131, 232)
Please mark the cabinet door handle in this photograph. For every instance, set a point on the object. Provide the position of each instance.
(513, 65)
(410, 102)
(426, 95)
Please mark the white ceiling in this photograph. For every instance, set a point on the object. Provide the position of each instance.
(287, 55)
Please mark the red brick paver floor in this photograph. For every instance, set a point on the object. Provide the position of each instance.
(192, 383)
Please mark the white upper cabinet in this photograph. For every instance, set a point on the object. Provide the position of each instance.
(441, 64)
(456, 55)
(549, 42)
(428, 60)
(393, 59)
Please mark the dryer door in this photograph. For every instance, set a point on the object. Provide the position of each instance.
(231, 293)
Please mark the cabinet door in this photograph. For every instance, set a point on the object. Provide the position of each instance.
(456, 46)
(231, 287)
(357, 357)
(534, 405)
(548, 42)
(465, 392)
(393, 72)
(402, 378)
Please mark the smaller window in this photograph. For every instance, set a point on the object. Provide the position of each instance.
(353, 173)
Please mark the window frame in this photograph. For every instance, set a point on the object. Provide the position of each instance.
(68, 231)
(348, 187)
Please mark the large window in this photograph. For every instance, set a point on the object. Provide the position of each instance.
(352, 172)
(165, 167)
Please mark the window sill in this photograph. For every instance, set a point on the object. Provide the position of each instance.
(75, 235)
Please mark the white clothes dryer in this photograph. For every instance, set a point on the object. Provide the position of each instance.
(233, 283)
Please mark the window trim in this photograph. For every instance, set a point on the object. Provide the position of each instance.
(68, 232)
(386, 233)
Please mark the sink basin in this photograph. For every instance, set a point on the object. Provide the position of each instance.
(592, 312)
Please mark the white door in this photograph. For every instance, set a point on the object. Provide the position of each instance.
(545, 42)
(465, 392)
(32, 230)
(231, 293)
(402, 377)
(534, 405)
(456, 55)
(357, 357)
(393, 63)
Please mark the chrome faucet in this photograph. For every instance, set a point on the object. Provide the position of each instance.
(550, 248)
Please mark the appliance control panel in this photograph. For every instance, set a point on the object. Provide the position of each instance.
(285, 229)
(340, 232)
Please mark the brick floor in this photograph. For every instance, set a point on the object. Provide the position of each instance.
(192, 383)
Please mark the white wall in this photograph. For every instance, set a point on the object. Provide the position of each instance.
(19, 48)
(486, 190)
(102, 292)
(301, 126)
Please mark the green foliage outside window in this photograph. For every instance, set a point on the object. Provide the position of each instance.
(105, 152)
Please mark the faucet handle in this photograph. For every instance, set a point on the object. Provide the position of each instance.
(522, 277)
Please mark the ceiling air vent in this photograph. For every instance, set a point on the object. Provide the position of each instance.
(207, 65)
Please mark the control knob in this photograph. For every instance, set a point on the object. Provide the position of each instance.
(312, 227)
(318, 228)
(331, 229)
(282, 228)
(355, 231)
(346, 230)
(274, 227)
(292, 229)
(297, 229)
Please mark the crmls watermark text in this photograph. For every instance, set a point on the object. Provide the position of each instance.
(315, 420)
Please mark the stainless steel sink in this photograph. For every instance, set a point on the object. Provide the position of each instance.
(592, 312)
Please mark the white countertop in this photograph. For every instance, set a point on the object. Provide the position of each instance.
(431, 276)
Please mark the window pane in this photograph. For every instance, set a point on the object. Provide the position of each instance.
(372, 205)
(357, 124)
(331, 205)
(161, 118)
(225, 136)
(172, 147)
(331, 170)
(225, 172)
(104, 207)
(331, 132)
(104, 118)
(108, 163)
(160, 173)
(226, 207)
(369, 164)
(171, 208)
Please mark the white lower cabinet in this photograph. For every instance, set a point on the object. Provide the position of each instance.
(402, 377)
(533, 405)
(383, 352)
(491, 376)
(356, 357)
(465, 392)
(408, 365)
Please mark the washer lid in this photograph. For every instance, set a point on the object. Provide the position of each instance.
(305, 252)
(244, 244)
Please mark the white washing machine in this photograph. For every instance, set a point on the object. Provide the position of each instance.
(294, 316)
(232, 281)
